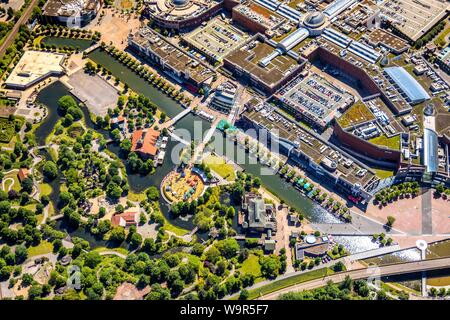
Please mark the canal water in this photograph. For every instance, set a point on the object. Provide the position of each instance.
(60, 42)
(50, 95)
(435, 250)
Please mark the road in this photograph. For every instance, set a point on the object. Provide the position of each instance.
(392, 269)
(22, 20)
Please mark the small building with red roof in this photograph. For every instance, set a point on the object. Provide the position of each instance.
(125, 219)
(145, 143)
(22, 174)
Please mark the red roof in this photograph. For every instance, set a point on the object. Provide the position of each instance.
(22, 174)
(128, 217)
(145, 141)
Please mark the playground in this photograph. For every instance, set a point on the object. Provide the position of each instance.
(182, 185)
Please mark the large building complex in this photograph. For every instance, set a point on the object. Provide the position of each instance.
(414, 18)
(215, 40)
(250, 62)
(315, 99)
(33, 67)
(176, 63)
(181, 14)
(73, 13)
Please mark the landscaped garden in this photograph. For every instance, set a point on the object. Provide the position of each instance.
(182, 186)
(7, 130)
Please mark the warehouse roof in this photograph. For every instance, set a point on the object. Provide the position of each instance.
(407, 84)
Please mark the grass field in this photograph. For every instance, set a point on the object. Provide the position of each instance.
(7, 182)
(136, 196)
(118, 250)
(284, 283)
(392, 142)
(383, 174)
(218, 165)
(251, 266)
(43, 248)
(46, 189)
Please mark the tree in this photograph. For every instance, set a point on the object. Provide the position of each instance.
(66, 102)
(21, 254)
(229, 247)
(27, 185)
(270, 266)
(135, 240)
(390, 221)
(152, 193)
(50, 170)
(92, 259)
(244, 294)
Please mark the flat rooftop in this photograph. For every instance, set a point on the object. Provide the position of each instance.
(217, 39)
(259, 14)
(179, 9)
(355, 115)
(382, 37)
(316, 96)
(248, 56)
(172, 56)
(415, 17)
(35, 66)
(66, 8)
(309, 144)
(400, 104)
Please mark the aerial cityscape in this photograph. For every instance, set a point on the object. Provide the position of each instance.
(225, 150)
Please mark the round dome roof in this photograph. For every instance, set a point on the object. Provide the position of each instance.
(180, 2)
(314, 19)
(310, 239)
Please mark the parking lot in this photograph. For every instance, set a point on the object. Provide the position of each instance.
(216, 39)
(318, 96)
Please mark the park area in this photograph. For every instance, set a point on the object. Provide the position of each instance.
(7, 130)
(182, 185)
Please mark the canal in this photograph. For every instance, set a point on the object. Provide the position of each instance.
(190, 125)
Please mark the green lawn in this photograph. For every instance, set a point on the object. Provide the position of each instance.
(138, 197)
(383, 174)
(43, 248)
(392, 142)
(218, 165)
(118, 250)
(8, 182)
(46, 189)
(251, 266)
(284, 283)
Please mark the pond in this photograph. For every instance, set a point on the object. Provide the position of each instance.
(61, 42)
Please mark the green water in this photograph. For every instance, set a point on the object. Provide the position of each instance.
(61, 42)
